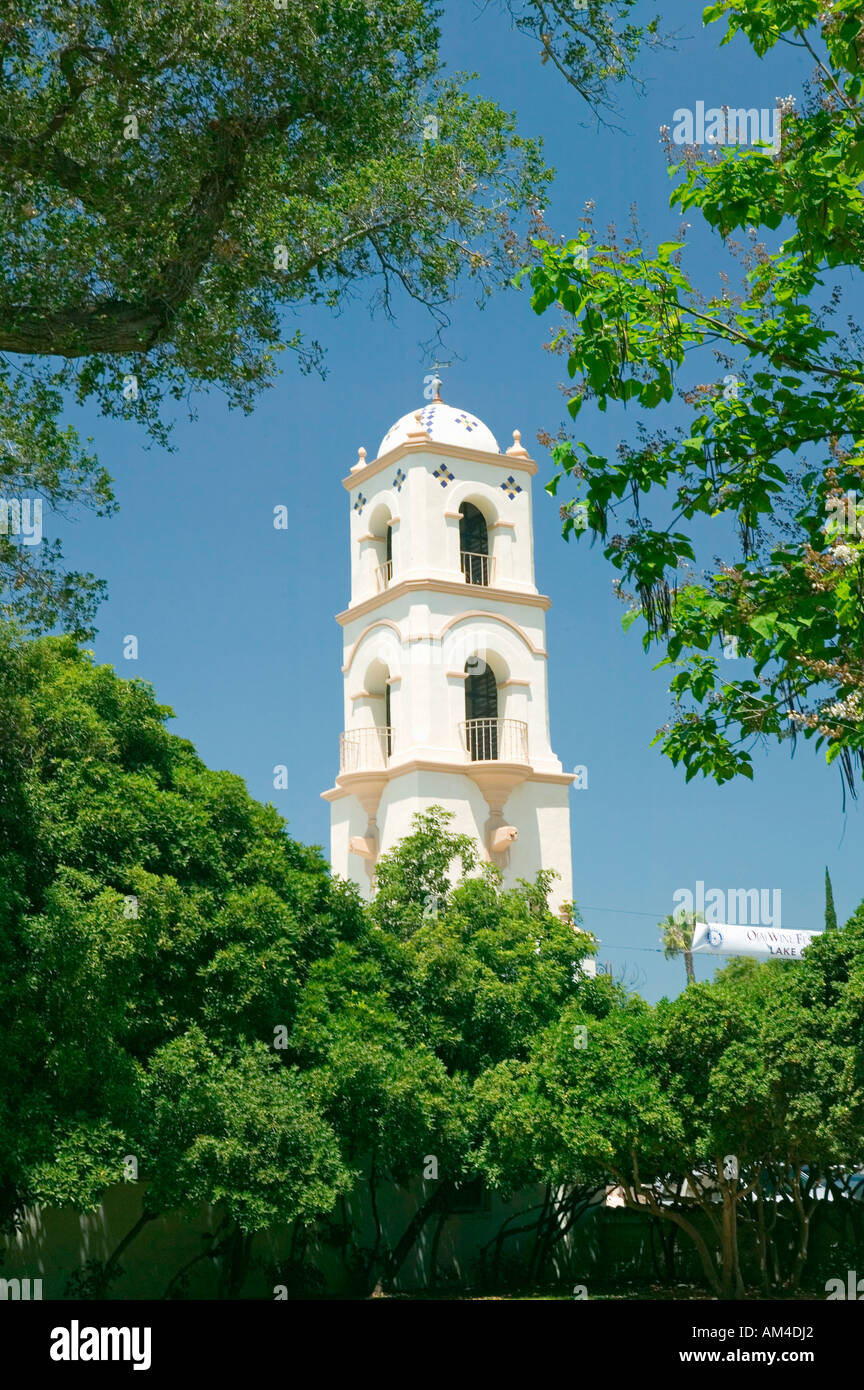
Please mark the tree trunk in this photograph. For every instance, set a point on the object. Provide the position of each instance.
(113, 1260)
(238, 1247)
(731, 1282)
(667, 1240)
(538, 1251)
(761, 1239)
(438, 1202)
(433, 1253)
(804, 1219)
(629, 1188)
(210, 1253)
(373, 1200)
(701, 1248)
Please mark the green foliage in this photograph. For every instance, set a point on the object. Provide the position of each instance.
(830, 911)
(407, 1021)
(412, 881)
(774, 443)
(239, 1130)
(185, 985)
(188, 986)
(42, 460)
(571, 1113)
(593, 45)
(156, 925)
(176, 181)
(762, 1065)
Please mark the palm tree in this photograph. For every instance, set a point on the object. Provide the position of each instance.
(676, 933)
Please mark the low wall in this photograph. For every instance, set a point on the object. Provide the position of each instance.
(169, 1257)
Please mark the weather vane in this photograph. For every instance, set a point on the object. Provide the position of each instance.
(432, 382)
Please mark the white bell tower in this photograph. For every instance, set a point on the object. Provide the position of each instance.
(445, 655)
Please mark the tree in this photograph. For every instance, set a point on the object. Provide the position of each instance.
(156, 927)
(718, 1113)
(186, 986)
(39, 455)
(177, 180)
(676, 933)
(593, 45)
(771, 455)
(405, 1025)
(764, 1114)
(830, 913)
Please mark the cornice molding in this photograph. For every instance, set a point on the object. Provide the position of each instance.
(454, 451)
(440, 586)
(389, 774)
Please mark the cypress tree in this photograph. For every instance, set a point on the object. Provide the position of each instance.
(830, 914)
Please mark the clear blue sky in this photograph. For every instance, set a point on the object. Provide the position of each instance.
(235, 619)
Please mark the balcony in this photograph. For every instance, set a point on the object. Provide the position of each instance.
(365, 750)
(495, 740)
(384, 576)
(477, 569)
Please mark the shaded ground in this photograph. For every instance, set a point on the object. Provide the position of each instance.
(652, 1294)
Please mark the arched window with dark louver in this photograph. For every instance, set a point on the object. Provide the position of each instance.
(474, 545)
(481, 710)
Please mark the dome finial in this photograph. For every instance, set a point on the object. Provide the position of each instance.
(434, 382)
(361, 460)
(516, 447)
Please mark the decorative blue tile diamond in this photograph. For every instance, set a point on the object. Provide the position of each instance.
(467, 422)
(443, 474)
(360, 503)
(399, 480)
(511, 487)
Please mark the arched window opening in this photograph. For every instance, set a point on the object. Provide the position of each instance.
(369, 743)
(481, 710)
(474, 545)
(381, 539)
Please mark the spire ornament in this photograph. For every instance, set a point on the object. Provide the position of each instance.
(516, 450)
(418, 434)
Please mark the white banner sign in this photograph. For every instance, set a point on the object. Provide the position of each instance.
(721, 939)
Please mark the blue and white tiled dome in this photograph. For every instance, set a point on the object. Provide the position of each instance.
(444, 424)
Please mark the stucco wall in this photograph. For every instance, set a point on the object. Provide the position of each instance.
(55, 1243)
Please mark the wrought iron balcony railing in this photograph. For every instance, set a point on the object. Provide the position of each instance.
(384, 575)
(365, 750)
(477, 569)
(495, 740)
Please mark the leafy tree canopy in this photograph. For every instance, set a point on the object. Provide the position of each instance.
(176, 180)
(593, 44)
(186, 985)
(157, 925)
(765, 642)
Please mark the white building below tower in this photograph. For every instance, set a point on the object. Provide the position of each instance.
(444, 663)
